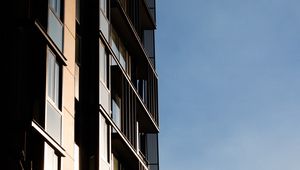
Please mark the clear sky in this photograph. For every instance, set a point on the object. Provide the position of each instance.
(229, 84)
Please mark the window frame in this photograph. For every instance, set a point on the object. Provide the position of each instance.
(103, 58)
(104, 139)
(103, 7)
(56, 17)
(53, 153)
(57, 106)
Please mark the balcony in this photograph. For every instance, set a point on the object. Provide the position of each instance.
(133, 103)
(147, 18)
(127, 31)
(125, 151)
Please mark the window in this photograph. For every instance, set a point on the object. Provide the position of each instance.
(104, 93)
(142, 89)
(123, 54)
(149, 44)
(53, 122)
(55, 5)
(114, 42)
(55, 25)
(104, 145)
(103, 6)
(51, 159)
(53, 76)
(119, 49)
(103, 17)
(103, 64)
(116, 114)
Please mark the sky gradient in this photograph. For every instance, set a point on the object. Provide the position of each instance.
(229, 84)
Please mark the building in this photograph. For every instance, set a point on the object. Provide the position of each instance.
(81, 89)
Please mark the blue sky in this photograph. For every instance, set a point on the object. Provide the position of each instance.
(229, 84)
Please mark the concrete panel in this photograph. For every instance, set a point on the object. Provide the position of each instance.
(68, 134)
(69, 50)
(70, 14)
(67, 163)
(68, 92)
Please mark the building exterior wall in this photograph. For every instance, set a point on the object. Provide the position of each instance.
(80, 85)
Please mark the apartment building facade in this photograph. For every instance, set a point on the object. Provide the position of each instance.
(81, 88)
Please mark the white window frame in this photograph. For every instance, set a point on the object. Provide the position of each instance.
(103, 64)
(104, 139)
(56, 102)
(55, 27)
(52, 161)
(103, 7)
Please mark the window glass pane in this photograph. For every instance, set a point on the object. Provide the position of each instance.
(114, 44)
(149, 42)
(104, 25)
(53, 123)
(152, 148)
(116, 114)
(103, 139)
(103, 63)
(122, 55)
(50, 159)
(55, 29)
(55, 6)
(103, 6)
(56, 84)
(52, 4)
(57, 10)
(53, 73)
(113, 61)
(50, 74)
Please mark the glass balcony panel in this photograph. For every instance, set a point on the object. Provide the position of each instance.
(149, 42)
(151, 7)
(153, 167)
